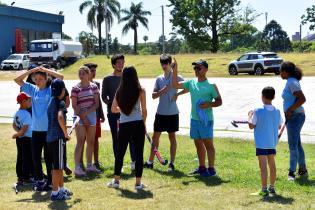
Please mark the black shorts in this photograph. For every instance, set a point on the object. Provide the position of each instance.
(168, 123)
(265, 152)
(56, 150)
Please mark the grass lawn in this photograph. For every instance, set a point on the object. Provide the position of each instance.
(148, 66)
(238, 176)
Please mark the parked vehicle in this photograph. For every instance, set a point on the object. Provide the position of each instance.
(16, 62)
(256, 63)
(58, 53)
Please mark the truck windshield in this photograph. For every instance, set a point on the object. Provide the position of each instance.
(41, 47)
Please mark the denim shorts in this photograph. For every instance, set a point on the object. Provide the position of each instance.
(200, 131)
(265, 152)
(91, 117)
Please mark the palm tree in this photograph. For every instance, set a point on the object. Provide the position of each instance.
(96, 15)
(145, 39)
(134, 15)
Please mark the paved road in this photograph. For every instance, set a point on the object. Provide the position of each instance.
(239, 96)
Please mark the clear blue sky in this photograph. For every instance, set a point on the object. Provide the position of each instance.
(286, 12)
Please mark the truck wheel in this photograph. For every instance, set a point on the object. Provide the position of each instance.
(58, 65)
(259, 70)
(20, 67)
(233, 70)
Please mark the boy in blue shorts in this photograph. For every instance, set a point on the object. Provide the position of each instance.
(204, 96)
(266, 122)
(56, 135)
(22, 124)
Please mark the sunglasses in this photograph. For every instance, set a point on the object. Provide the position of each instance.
(197, 68)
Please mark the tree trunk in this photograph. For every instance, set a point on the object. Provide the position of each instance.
(99, 28)
(135, 41)
(215, 38)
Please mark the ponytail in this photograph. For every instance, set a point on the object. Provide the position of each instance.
(292, 70)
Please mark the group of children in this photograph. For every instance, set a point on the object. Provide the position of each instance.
(126, 101)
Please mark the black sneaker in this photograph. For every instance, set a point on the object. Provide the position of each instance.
(272, 189)
(68, 171)
(98, 166)
(291, 176)
(42, 186)
(303, 172)
(171, 167)
(212, 171)
(148, 165)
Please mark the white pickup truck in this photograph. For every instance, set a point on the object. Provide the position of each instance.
(16, 62)
(58, 53)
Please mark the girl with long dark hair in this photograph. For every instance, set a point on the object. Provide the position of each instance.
(293, 99)
(130, 101)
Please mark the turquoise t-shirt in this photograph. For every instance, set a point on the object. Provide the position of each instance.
(200, 90)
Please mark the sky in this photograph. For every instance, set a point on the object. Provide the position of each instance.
(285, 12)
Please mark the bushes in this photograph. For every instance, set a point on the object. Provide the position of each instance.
(304, 46)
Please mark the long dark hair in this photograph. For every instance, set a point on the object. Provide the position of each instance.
(292, 70)
(129, 90)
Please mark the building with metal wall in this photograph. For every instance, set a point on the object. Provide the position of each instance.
(18, 27)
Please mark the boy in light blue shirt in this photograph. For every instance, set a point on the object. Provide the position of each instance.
(22, 124)
(266, 122)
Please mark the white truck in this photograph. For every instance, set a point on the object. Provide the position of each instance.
(57, 53)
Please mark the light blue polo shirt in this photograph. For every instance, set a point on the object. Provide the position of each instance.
(267, 120)
(292, 86)
(166, 105)
(40, 100)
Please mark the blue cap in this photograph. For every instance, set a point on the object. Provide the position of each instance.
(57, 86)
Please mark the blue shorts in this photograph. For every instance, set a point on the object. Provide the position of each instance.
(91, 117)
(265, 152)
(199, 131)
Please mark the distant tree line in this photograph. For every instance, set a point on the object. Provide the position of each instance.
(198, 26)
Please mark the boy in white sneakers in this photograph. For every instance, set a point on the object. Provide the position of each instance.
(56, 135)
(266, 122)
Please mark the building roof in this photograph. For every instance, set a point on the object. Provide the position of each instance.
(310, 37)
(30, 14)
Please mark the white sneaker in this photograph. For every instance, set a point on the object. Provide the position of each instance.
(113, 184)
(133, 165)
(78, 172)
(93, 169)
(140, 186)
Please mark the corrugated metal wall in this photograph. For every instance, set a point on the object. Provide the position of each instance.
(30, 22)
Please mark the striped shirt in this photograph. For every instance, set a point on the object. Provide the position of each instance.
(85, 95)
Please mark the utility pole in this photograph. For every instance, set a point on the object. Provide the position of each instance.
(300, 33)
(106, 28)
(266, 17)
(163, 40)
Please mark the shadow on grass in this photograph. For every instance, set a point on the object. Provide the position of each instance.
(278, 199)
(209, 181)
(138, 195)
(175, 174)
(40, 197)
(123, 176)
(64, 204)
(89, 177)
(304, 181)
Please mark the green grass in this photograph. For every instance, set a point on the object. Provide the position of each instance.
(238, 176)
(148, 66)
